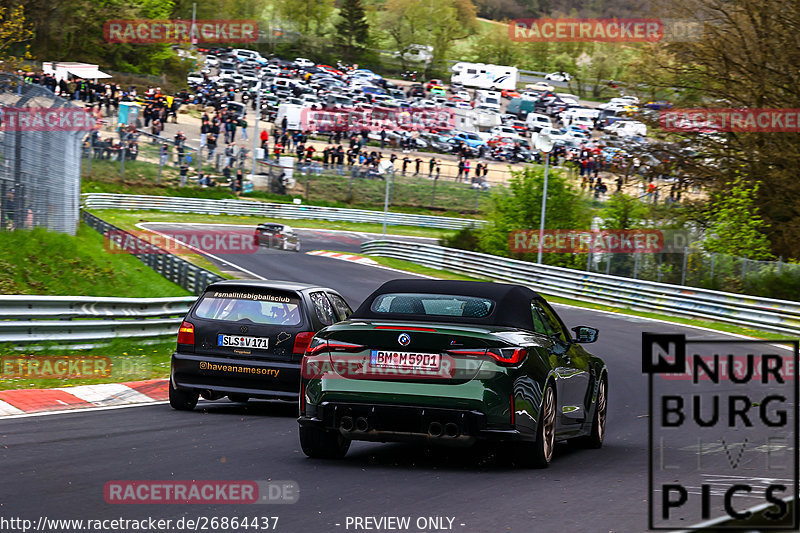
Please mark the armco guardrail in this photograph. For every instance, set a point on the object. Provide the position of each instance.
(777, 316)
(87, 320)
(191, 277)
(267, 210)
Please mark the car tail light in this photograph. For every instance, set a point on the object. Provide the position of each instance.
(468, 352)
(186, 333)
(406, 328)
(507, 356)
(511, 399)
(302, 341)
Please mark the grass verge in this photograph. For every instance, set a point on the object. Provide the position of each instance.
(55, 264)
(122, 360)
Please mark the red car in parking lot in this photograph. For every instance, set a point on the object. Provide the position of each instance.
(432, 83)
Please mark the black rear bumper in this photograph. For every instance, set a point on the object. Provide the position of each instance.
(224, 376)
(387, 423)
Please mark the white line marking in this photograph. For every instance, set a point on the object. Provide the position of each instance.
(201, 252)
(84, 409)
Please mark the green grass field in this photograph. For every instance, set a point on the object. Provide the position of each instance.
(42, 262)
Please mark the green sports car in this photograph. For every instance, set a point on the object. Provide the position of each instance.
(452, 362)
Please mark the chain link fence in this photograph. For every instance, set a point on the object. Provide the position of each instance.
(40, 158)
(694, 267)
(361, 184)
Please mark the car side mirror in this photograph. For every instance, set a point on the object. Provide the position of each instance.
(585, 334)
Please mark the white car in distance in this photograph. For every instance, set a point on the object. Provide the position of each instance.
(303, 62)
(558, 76)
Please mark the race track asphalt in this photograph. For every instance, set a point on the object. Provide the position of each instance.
(57, 465)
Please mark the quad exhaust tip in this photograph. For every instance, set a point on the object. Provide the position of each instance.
(346, 423)
(451, 430)
(435, 429)
(362, 424)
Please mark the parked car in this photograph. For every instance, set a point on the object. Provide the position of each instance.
(453, 363)
(537, 121)
(303, 62)
(471, 139)
(433, 83)
(273, 235)
(540, 86)
(625, 128)
(246, 338)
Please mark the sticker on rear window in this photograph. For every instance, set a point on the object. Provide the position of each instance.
(250, 296)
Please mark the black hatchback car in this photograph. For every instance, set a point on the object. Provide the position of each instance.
(246, 339)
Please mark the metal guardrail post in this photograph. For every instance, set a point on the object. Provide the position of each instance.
(266, 209)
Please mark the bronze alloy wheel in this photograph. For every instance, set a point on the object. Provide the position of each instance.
(601, 410)
(548, 423)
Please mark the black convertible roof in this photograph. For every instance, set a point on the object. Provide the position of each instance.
(512, 307)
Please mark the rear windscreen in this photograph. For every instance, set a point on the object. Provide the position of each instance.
(433, 305)
(254, 307)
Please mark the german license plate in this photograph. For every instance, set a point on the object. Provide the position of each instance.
(425, 361)
(240, 341)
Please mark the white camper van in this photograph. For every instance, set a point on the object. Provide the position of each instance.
(293, 114)
(485, 76)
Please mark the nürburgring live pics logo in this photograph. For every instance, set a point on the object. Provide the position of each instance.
(723, 439)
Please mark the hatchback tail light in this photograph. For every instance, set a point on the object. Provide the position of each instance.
(186, 333)
(302, 341)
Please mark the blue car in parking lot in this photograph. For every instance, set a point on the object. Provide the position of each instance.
(473, 140)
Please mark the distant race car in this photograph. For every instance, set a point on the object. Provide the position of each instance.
(245, 339)
(273, 235)
(452, 363)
